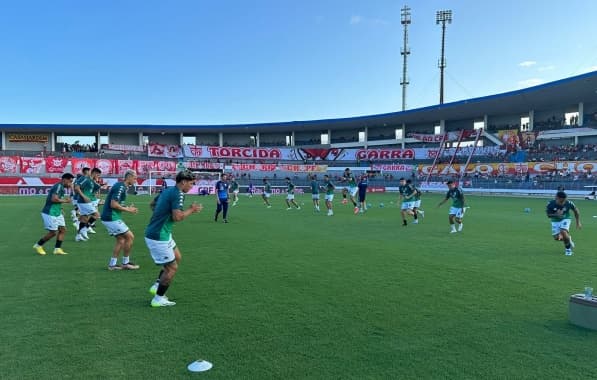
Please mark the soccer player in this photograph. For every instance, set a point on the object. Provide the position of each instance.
(407, 194)
(456, 212)
(164, 184)
(234, 190)
(350, 189)
(415, 201)
(290, 195)
(87, 209)
(168, 209)
(52, 216)
(329, 187)
(75, 198)
(222, 188)
(558, 210)
(250, 189)
(362, 186)
(112, 219)
(267, 192)
(315, 191)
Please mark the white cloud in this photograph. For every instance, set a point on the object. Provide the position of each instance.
(530, 82)
(587, 69)
(546, 68)
(355, 20)
(527, 63)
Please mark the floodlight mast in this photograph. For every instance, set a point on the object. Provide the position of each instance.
(442, 17)
(405, 51)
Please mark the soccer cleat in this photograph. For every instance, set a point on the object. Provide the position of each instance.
(59, 251)
(416, 221)
(356, 210)
(80, 237)
(298, 208)
(153, 289)
(225, 220)
(114, 267)
(39, 249)
(91, 230)
(568, 252)
(289, 208)
(83, 233)
(460, 227)
(421, 212)
(453, 231)
(158, 301)
(130, 266)
(269, 206)
(330, 213)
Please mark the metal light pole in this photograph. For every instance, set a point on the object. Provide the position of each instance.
(442, 17)
(405, 51)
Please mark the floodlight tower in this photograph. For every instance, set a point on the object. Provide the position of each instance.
(405, 51)
(442, 17)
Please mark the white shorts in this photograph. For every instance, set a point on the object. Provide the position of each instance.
(417, 204)
(115, 227)
(407, 205)
(267, 195)
(51, 223)
(329, 197)
(87, 209)
(315, 196)
(162, 252)
(353, 191)
(96, 203)
(457, 211)
(290, 197)
(563, 224)
(235, 192)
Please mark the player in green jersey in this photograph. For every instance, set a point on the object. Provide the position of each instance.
(456, 212)
(53, 217)
(234, 189)
(290, 195)
(558, 210)
(315, 191)
(329, 187)
(267, 192)
(112, 219)
(168, 208)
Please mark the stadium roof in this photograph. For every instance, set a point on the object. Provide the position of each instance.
(566, 92)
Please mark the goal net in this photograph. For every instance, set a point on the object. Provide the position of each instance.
(205, 181)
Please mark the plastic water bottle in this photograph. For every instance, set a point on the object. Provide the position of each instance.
(588, 293)
(527, 210)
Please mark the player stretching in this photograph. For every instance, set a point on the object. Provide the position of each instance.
(417, 202)
(456, 212)
(52, 216)
(315, 191)
(290, 195)
(350, 189)
(329, 187)
(222, 187)
(112, 219)
(168, 209)
(74, 214)
(267, 192)
(88, 211)
(558, 210)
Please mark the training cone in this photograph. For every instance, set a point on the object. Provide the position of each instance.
(199, 366)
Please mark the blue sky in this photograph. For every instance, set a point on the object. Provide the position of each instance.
(223, 62)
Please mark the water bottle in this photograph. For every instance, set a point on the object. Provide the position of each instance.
(588, 293)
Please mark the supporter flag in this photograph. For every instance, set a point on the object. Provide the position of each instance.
(8, 164)
(55, 164)
(32, 165)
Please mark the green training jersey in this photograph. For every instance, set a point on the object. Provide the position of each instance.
(407, 192)
(51, 208)
(314, 187)
(290, 188)
(117, 193)
(87, 185)
(161, 222)
(267, 188)
(352, 182)
(553, 207)
(329, 187)
(233, 185)
(457, 196)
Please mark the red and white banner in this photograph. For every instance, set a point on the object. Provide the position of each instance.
(304, 168)
(123, 148)
(166, 165)
(56, 164)
(164, 150)
(144, 167)
(204, 165)
(123, 165)
(80, 163)
(254, 167)
(33, 165)
(106, 166)
(450, 136)
(9, 164)
(393, 167)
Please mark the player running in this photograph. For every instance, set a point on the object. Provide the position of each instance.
(456, 212)
(558, 210)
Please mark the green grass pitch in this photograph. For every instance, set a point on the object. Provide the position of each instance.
(278, 294)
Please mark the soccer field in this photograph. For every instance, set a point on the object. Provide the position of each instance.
(278, 294)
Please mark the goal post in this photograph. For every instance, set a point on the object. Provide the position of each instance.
(205, 180)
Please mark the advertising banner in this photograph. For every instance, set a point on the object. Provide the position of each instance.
(164, 151)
